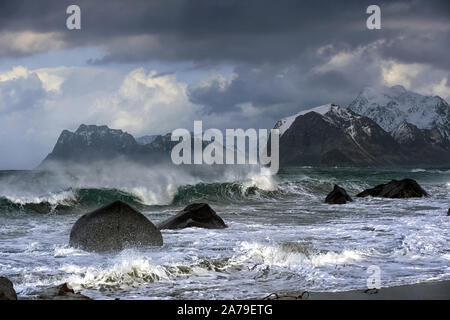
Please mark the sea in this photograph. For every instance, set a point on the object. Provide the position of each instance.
(281, 236)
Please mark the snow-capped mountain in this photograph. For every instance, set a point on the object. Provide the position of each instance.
(285, 123)
(389, 107)
(425, 145)
(331, 135)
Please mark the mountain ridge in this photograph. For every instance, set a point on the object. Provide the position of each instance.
(336, 136)
(389, 106)
(327, 135)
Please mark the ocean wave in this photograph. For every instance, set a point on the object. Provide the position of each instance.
(228, 188)
(438, 171)
(253, 187)
(66, 201)
(37, 204)
(130, 270)
(124, 274)
(139, 197)
(418, 170)
(219, 192)
(140, 187)
(293, 255)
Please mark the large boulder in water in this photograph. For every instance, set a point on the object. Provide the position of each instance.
(7, 291)
(406, 188)
(113, 228)
(338, 196)
(199, 215)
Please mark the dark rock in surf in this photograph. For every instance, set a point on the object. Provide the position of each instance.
(406, 188)
(338, 196)
(113, 228)
(448, 212)
(61, 292)
(199, 215)
(7, 291)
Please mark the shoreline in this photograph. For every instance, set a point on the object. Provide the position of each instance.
(433, 290)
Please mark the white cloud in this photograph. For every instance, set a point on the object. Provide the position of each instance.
(49, 78)
(36, 105)
(341, 60)
(438, 88)
(417, 77)
(400, 73)
(147, 103)
(28, 42)
(15, 73)
(19, 91)
(366, 65)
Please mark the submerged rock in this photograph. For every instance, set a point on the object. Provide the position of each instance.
(113, 228)
(61, 292)
(338, 196)
(7, 291)
(406, 188)
(199, 215)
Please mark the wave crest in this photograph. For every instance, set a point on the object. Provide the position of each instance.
(293, 255)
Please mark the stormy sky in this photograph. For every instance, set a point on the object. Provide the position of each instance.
(149, 67)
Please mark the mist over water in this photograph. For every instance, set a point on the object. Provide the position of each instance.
(281, 236)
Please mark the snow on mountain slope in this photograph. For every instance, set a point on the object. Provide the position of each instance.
(330, 135)
(408, 134)
(286, 123)
(389, 107)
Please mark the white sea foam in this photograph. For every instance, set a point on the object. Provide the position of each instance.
(293, 255)
(126, 271)
(63, 197)
(64, 251)
(261, 181)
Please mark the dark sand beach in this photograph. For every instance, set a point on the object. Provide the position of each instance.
(439, 290)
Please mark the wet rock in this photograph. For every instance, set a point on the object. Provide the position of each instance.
(61, 292)
(448, 212)
(406, 188)
(113, 228)
(338, 196)
(199, 215)
(7, 291)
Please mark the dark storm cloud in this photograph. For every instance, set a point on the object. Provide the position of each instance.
(252, 31)
(272, 45)
(287, 87)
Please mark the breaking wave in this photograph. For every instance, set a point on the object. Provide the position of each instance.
(255, 186)
(438, 171)
(294, 255)
(164, 189)
(251, 187)
(221, 192)
(66, 201)
(131, 270)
